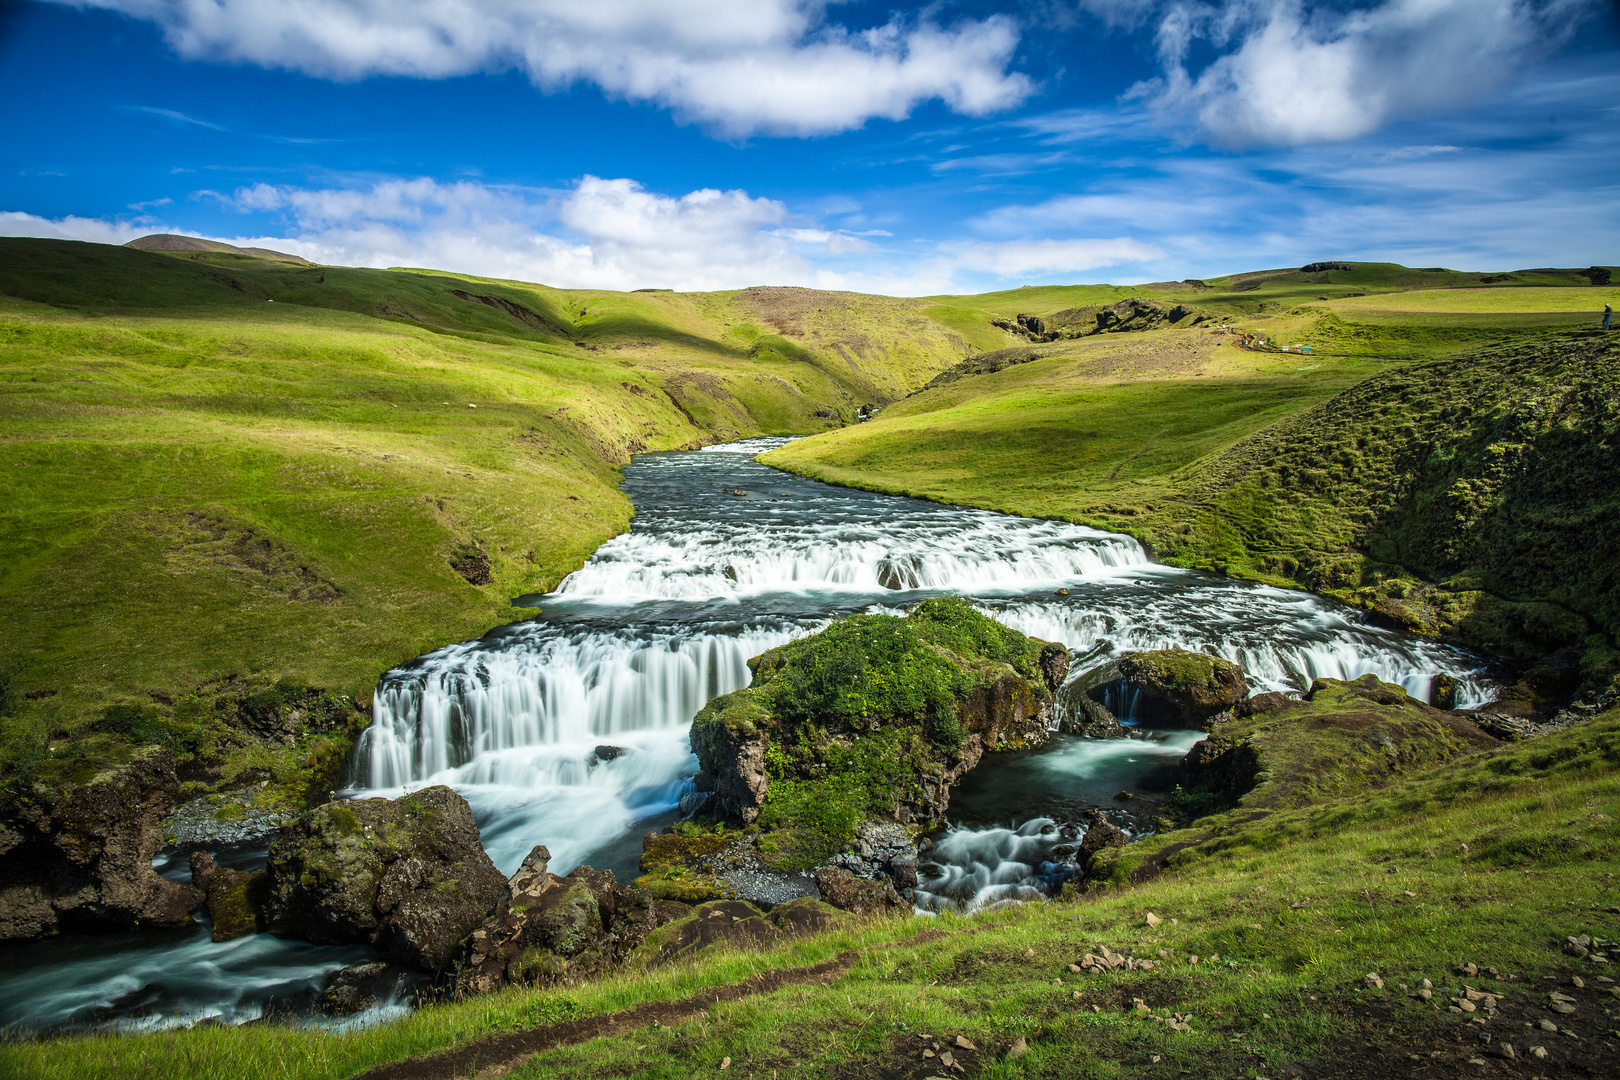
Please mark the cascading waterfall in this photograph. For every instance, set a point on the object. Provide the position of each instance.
(728, 558)
(571, 729)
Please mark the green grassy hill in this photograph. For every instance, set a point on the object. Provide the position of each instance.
(220, 472)
(223, 471)
(1439, 456)
(225, 476)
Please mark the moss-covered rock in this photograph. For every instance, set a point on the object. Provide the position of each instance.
(1177, 688)
(547, 928)
(235, 898)
(80, 856)
(673, 864)
(407, 875)
(1342, 738)
(876, 716)
(736, 924)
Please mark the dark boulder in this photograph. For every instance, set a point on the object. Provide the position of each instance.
(861, 896)
(235, 898)
(547, 928)
(730, 738)
(81, 857)
(1177, 688)
(736, 924)
(409, 876)
(357, 988)
(1100, 835)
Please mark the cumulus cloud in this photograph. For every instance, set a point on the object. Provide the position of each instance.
(1292, 72)
(610, 234)
(94, 230)
(739, 66)
(602, 233)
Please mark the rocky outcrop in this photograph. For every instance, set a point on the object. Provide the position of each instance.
(882, 851)
(730, 748)
(1177, 688)
(547, 928)
(357, 988)
(1170, 688)
(235, 898)
(861, 896)
(985, 363)
(919, 700)
(1101, 834)
(81, 858)
(1274, 751)
(407, 876)
(736, 924)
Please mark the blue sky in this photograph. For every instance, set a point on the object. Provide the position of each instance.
(724, 143)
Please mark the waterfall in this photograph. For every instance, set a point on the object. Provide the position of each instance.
(469, 712)
(726, 559)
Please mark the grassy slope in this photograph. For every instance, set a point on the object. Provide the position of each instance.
(1263, 291)
(219, 470)
(1491, 859)
(1143, 432)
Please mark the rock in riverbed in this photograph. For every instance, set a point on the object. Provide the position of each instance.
(82, 857)
(547, 928)
(407, 875)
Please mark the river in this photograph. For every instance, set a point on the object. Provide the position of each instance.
(727, 558)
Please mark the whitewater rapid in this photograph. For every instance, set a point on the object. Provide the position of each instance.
(570, 729)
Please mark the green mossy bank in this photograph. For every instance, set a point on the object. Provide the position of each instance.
(874, 717)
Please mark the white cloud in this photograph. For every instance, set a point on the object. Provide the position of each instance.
(740, 66)
(611, 234)
(94, 230)
(1291, 72)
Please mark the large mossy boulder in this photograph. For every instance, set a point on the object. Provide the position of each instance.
(875, 716)
(1343, 737)
(548, 928)
(235, 898)
(1177, 688)
(80, 858)
(407, 875)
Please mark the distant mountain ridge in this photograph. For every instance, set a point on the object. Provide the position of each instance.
(175, 242)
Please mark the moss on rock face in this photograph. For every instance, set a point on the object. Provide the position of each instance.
(1344, 737)
(1182, 688)
(1471, 497)
(407, 875)
(876, 716)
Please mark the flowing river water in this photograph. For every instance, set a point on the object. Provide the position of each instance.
(727, 558)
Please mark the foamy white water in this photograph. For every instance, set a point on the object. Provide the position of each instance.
(665, 617)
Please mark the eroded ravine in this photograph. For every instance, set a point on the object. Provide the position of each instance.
(570, 729)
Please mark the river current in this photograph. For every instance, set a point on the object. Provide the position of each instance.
(727, 558)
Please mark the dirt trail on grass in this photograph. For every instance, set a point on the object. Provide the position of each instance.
(500, 1054)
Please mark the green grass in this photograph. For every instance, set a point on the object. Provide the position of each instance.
(1491, 859)
(1445, 470)
(217, 471)
(1097, 428)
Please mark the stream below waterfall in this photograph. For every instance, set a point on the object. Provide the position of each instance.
(727, 558)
